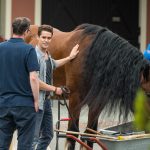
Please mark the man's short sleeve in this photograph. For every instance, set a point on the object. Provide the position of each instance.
(32, 61)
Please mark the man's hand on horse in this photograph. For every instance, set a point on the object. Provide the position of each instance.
(74, 52)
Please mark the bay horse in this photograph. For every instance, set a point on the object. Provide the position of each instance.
(106, 73)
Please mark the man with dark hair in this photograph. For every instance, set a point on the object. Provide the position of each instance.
(20, 25)
(44, 125)
(19, 87)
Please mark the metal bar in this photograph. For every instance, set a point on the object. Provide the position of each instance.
(102, 145)
(95, 140)
(79, 141)
(86, 134)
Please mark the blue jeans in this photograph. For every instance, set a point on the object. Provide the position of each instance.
(44, 127)
(20, 118)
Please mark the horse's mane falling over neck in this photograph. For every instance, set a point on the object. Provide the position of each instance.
(111, 71)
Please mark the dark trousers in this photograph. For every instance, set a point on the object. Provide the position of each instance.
(20, 118)
(44, 127)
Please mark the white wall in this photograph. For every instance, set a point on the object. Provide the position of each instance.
(5, 18)
(6, 15)
(142, 23)
(37, 14)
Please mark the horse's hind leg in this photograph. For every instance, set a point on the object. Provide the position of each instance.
(92, 123)
(73, 124)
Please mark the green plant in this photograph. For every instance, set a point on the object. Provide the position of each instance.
(142, 111)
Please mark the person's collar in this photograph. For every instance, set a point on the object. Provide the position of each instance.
(16, 39)
(42, 54)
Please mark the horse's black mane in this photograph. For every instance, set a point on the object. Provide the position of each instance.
(111, 72)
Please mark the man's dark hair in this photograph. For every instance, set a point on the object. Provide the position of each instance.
(45, 27)
(20, 25)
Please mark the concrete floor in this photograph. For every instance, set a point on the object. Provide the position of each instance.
(104, 122)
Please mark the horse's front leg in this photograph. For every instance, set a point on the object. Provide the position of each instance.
(74, 122)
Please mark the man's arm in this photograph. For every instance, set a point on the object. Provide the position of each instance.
(72, 55)
(34, 81)
(46, 87)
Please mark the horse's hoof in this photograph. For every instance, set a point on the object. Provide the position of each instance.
(82, 148)
(68, 146)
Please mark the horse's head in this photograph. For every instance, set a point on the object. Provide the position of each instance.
(145, 80)
(31, 37)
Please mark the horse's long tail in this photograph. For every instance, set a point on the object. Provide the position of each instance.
(111, 73)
